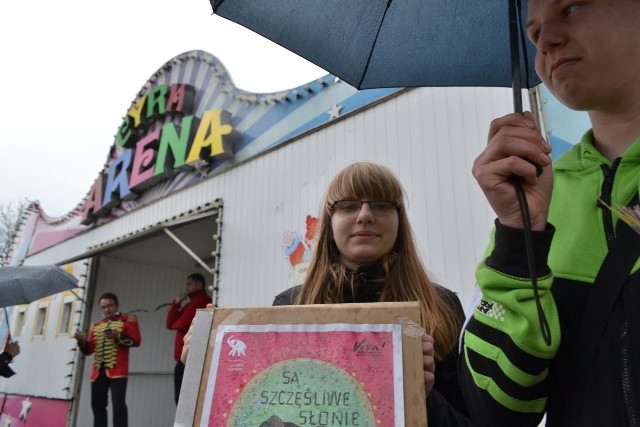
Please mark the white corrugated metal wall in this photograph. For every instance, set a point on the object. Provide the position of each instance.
(428, 136)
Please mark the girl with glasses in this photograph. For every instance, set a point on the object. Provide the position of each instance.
(366, 253)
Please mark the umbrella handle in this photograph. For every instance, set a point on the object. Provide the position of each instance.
(6, 316)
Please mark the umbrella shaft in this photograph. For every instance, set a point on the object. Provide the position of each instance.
(515, 56)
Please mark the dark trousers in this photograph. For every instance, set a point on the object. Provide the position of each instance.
(99, 393)
(178, 373)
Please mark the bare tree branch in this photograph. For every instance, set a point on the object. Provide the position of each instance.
(10, 218)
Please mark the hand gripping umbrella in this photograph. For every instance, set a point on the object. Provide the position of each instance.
(406, 43)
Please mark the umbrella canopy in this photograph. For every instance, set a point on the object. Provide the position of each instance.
(23, 285)
(408, 43)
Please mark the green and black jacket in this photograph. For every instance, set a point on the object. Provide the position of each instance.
(509, 375)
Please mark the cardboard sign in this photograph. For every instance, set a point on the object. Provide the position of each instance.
(311, 365)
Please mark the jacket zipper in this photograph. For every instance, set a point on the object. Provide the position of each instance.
(605, 195)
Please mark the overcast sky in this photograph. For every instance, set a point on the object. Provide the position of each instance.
(70, 69)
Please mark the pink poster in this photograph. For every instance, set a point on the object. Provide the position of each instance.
(305, 375)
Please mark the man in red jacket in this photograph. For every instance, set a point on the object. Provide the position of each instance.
(110, 340)
(179, 319)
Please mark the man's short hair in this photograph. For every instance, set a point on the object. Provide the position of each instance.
(111, 296)
(198, 278)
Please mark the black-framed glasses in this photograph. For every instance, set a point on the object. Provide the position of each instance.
(352, 207)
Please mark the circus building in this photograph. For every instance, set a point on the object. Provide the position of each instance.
(205, 177)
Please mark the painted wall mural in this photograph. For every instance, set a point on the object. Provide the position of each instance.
(298, 247)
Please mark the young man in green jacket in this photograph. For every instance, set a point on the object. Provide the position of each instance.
(588, 55)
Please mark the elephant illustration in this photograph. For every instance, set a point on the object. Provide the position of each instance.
(238, 348)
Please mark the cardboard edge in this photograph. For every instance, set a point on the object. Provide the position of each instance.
(186, 411)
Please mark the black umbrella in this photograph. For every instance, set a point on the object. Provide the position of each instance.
(26, 284)
(408, 43)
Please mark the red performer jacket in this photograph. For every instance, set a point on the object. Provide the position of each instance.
(113, 354)
(179, 318)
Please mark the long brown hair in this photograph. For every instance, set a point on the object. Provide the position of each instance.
(404, 276)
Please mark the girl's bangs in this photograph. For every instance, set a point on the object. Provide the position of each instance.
(360, 183)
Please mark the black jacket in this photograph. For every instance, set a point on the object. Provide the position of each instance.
(5, 370)
(445, 405)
